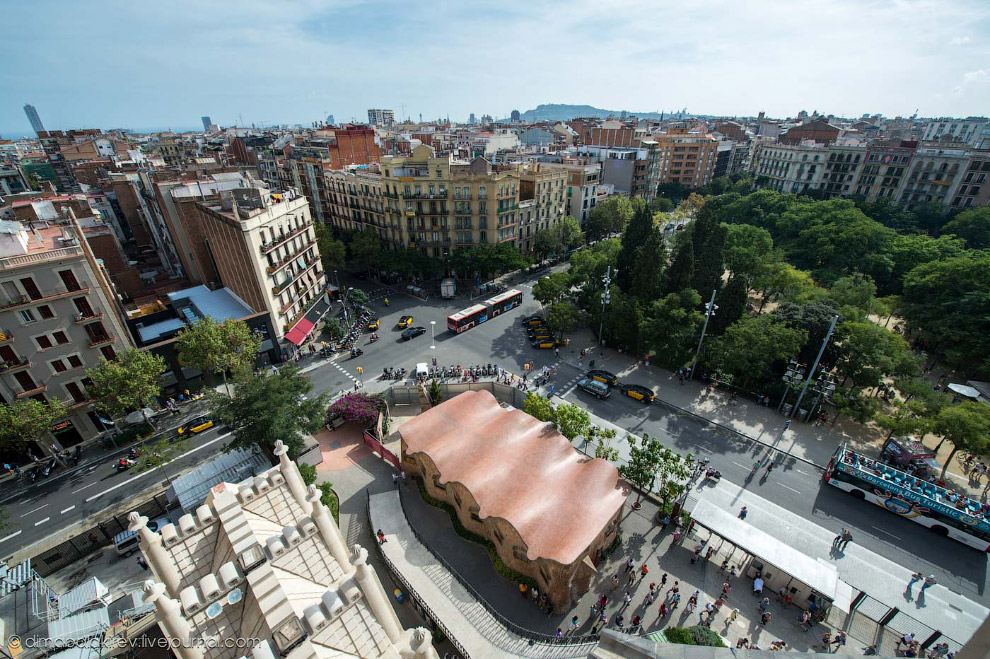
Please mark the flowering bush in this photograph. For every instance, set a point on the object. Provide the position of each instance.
(357, 407)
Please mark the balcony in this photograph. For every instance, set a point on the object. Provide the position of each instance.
(82, 319)
(55, 293)
(279, 288)
(75, 405)
(272, 269)
(101, 341)
(5, 337)
(391, 195)
(13, 367)
(268, 247)
(72, 252)
(31, 392)
(424, 195)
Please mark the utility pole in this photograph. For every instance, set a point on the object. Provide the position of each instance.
(710, 308)
(811, 371)
(606, 298)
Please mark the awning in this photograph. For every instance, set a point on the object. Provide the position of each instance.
(313, 315)
(963, 390)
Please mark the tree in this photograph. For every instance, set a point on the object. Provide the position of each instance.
(908, 252)
(538, 407)
(357, 296)
(333, 329)
(731, 305)
(558, 238)
(967, 426)
(434, 392)
(783, 281)
(571, 235)
(269, 408)
(562, 316)
(855, 294)
(814, 318)
(889, 213)
(671, 325)
(28, 420)
(551, 288)
(129, 381)
(752, 344)
(950, 300)
(610, 216)
(971, 225)
(708, 239)
(333, 253)
(572, 421)
(603, 443)
(366, 248)
(646, 277)
(660, 205)
(649, 462)
(868, 353)
(227, 347)
(636, 233)
(680, 274)
(748, 250)
(930, 216)
(159, 454)
(904, 419)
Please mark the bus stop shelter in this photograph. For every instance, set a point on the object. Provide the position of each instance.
(812, 583)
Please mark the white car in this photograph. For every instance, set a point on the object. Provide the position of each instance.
(422, 370)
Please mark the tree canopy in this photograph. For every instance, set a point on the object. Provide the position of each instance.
(971, 225)
(609, 216)
(227, 347)
(129, 381)
(27, 420)
(751, 345)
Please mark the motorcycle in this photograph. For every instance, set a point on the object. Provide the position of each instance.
(49, 468)
(123, 464)
(374, 337)
(713, 474)
(356, 352)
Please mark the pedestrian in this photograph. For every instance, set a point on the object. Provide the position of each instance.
(559, 634)
(650, 597)
(643, 571)
(402, 475)
(574, 623)
(733, 614)
(594, 610)
(534, 594)
(395, 480)
(618, 621)
(626, 599)
(804, 620)
(765, 618)
(838, 537)
(726, 589)
(697, 552)
(663, 610)
(743, 513)
(840, 640)
(733, 571)
(602, 619)
(142, 562)
(615, 582)
(826, 641)
(556, 352)
(632, 578)
(666, 521)
(602, 601)
(381, 537)
(764, 604)
(722, 568)
(742, 643)
(917, 576)
(522, 589)
(929, 582)
(846, 539)
(708, 554)
(630, 564)
(663, 580)
(635, 623)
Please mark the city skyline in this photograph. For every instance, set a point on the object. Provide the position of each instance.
(253, 63)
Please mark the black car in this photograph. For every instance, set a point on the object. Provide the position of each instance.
(530, 321)
(539, 331)
(639, 392)
(412, 332)
(611, 379)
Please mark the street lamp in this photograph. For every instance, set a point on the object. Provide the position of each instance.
(794, 375)
(606, 298)
(343, 296)
(824, 388)
(710, 308)
(433, 344)
(821, 351)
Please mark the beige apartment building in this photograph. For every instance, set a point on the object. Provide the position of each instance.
(264, 247)
(546, 188)
(437, 204)
(58, 317)
(357, 201)
(686, 157)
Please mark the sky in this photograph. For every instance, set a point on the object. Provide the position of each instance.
(141, 64)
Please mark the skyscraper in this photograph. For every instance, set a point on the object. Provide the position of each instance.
(207, 122)
(33, 117)
(471, 119)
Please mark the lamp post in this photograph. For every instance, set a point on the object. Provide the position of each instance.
(794, 374)
(343, 296)
(824, 388)
(821, 351)
(433, 344)
(710, 308)
(606, 298)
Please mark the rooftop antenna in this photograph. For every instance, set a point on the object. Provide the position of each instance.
(403, 109)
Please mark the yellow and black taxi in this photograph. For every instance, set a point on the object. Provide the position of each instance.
(533, 321)
(605, 377)
(639, 392)
(538, 332)
(373, 325)
(196, 426)
(548, 342)
(596, 388)
(405, 321)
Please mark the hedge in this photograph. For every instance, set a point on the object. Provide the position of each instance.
(697, 635)
(503, 570)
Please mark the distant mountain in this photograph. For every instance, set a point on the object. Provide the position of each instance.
(565, 112)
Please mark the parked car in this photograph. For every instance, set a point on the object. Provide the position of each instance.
(405, 321)
(639, 392)
(539, 333)
(596, 388)
(530, 321)
(373, 325)
(196, 426)
(549, 342)
(611, 379)
(412, 333)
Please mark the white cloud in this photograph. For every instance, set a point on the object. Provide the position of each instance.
(958, 41)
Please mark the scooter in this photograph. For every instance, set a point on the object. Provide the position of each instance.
(123, 464)
(356, 352)
(374, 337)
(713, 474)
(49, 468)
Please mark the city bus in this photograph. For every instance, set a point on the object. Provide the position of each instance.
(479, 313)
(945, 512)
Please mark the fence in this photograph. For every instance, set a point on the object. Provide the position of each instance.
(871, 619)
(583, 643)
(504, 393)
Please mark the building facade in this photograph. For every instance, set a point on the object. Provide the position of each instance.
(357, 202)
(381, 117)
(35, 120)
(686, 157)
(789, 169)
(264, 248)
(58, 318)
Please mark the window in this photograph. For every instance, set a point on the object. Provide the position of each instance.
(44, 342)
(26, 316)
(75, 361)
(58, 366)
(60, 337)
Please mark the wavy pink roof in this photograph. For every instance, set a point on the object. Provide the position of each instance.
(520, 469)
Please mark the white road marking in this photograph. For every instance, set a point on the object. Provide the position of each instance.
(67, 510)
(42, 521)
(153, 471)
(10, 536)
(32, 511)
(84, 487)
(800, 471)
(738, 465)
(895, 537)
(789, 488)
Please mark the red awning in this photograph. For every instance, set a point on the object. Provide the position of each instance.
(298, 334)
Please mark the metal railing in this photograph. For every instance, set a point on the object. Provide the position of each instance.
(546, 639)
(417, 598)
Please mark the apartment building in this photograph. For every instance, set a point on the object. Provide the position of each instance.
(969, 131)
(686, 157)
(973, 189)
(52, 142)
(934, 174)
(357, 201)
(263, 246)
(381, 117)
(436, 204)
(634, 172)
(789, 168)
(546, 187)
(842, 169)
(583, 183)
(58, 317)
(883, 169)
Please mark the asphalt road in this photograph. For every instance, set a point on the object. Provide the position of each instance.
(793, 484)
(60, 500)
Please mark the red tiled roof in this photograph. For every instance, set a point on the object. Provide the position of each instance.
(520, 469)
